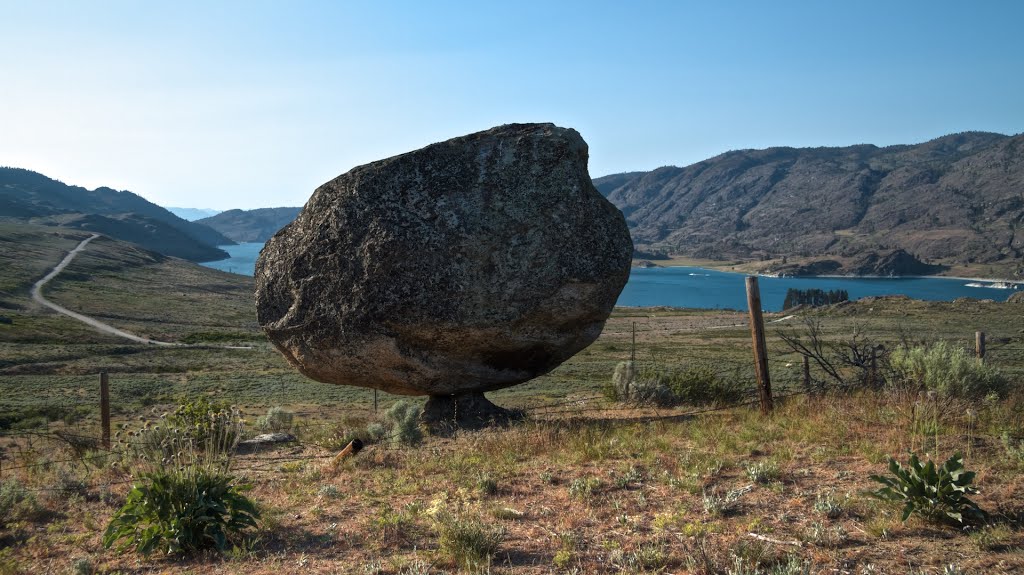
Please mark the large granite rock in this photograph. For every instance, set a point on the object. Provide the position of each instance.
(467, 266)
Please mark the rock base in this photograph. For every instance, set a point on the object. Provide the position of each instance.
(446, 413)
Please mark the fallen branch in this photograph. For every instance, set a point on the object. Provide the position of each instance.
(760, 537)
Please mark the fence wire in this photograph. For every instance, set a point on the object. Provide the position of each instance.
(786, 371)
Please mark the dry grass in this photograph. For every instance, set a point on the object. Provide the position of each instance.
(599, 494)
(583, 487)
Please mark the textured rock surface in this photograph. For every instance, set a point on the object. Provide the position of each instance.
(466, 266)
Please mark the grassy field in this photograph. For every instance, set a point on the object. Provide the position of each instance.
(582, 485)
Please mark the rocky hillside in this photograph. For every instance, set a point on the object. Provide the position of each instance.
(31, 197)
(251, 225)
(954, 200)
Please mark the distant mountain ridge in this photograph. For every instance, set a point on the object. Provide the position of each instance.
(32, 197)
(957, 199)
(251, 225)
(192, 214)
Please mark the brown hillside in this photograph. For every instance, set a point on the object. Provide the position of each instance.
(954, 200)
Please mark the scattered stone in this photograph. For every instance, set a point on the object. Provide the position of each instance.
(262, 441)
(466, 266)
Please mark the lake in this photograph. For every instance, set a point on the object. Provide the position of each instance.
(711, 289)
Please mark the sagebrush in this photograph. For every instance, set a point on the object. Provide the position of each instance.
(946, 369)
(692, 384)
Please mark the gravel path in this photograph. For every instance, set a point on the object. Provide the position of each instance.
(37, 295)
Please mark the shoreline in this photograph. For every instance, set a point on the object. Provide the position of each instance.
(1018, 283)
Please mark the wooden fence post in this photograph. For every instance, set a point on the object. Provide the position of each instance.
(105, 409)
(375, 400)
(764, 384)
(632, 350)
(979, 345)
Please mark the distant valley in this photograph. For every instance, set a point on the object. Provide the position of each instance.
(193, 214)
(251, 225)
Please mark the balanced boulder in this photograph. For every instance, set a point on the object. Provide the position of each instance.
(466, 266)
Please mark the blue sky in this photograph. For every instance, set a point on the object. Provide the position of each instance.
(254, 104)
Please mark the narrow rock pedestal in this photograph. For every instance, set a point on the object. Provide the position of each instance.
(445, 413)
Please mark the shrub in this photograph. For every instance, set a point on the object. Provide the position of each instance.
(275, 421)
(82, 566)
(1014, 448)
(583, 488)
(67, 483)
(763, 472)
(648, 557)
(695, 384)
(722, 505)
(185, 438)
(151, 443)
(933, 492)
(947, 370)
(700, 384)
(992, 537)
(34, 422)
(16, 502)
(376, 431)
(562, 558)
(469, 543)
(486, 485)
(622, 380)
(404, 420)
(827, 505)
(209, 425)
(631, 476)
(330, 491)
(184, 499)
(395, 525)
(817, 533)
(181, 511)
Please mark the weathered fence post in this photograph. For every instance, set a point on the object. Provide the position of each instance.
(375, 401)
(632, 351)
(105, 409)
(807, 373)
(979, 345)
(764, 384)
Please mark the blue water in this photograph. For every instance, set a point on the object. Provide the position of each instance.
(702, 288)
(242, 260)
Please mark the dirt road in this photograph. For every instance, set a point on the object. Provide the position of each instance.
(37, 295)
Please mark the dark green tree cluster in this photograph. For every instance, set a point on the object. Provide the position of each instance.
(814, 297)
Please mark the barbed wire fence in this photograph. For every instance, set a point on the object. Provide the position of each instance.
(789, 378)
